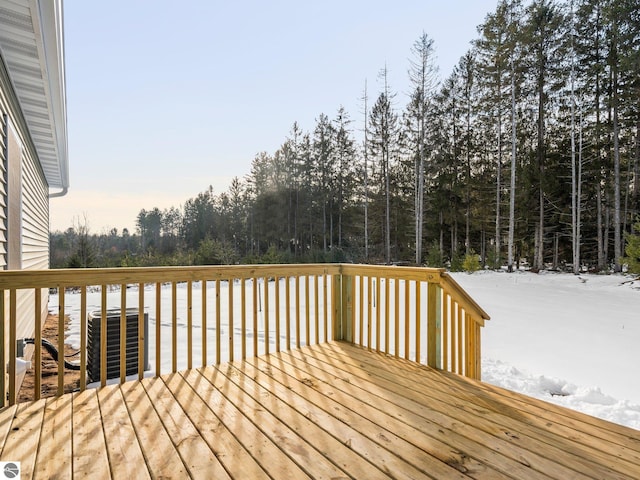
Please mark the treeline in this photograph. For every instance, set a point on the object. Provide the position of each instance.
(528, 150)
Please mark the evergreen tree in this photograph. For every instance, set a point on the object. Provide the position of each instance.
(383, 146)
(543, 29)
(423, 76)
(345, 157)
(324, 155)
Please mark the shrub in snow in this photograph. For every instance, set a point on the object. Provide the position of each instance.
(471, 262)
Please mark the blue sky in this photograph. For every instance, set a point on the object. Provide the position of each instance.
(165, 98)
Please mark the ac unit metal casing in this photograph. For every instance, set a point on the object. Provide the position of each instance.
(113, 343)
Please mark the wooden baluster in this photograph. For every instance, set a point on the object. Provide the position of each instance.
(158, 328)
(418, 319)
(407, 319)
(255, 316)
(265, 280)
(277, 306)
(307, 310)
(174, 327)
(396, 316)
(205, 360)
(287, 289)
(297, 306)
(218, 333)
(369, 310)
(361, 308)
(243, 316)
(189, 325)
(378, 308)
(316, 303)
(37, 386)
(123, 333)
(231, 328)
(387, 326)
(141, 332)
(325, 285)
(445, 330)
(103, 335)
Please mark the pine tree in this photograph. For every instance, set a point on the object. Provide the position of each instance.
(345, 161)
(323, 153)
(543, 39)
(383, 136)
(499, 76)
(423, 76)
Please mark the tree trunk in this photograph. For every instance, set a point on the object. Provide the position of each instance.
(617, 237)
(498, 190)
(512, 189)
(387, 188)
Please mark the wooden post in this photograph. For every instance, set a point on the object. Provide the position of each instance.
(342, 302)
(3, 360)
(469, 344)
(478, 351)
(13, 318)
(336, 306)
(37, 355)
(434, 325)
(347, 308)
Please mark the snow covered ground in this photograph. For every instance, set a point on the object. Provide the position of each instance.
(570, 340)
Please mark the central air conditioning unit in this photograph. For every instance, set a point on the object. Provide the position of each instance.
(113, 343)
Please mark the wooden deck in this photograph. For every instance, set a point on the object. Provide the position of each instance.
(328, 411)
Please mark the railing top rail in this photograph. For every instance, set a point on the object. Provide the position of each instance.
(433, 275)
(110, 276)
(18, 279)
(463, 297)
(392, 271)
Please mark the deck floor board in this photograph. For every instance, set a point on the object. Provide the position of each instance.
(532, 445)
(460, 432)
(56, 440)
(396, 437)
(212, 413)
(542, 429)
(161, 458)
(327, 411)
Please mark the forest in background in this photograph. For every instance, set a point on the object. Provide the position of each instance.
(529, 150)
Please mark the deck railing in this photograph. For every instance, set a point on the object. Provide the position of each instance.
(203, 315)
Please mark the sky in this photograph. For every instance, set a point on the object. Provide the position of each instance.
(166, 98)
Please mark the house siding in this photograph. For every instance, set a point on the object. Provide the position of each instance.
(24, 209)
(3, 190)
(35, 217)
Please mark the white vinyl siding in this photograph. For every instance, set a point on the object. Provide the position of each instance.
(3, 190)
(35, 217)
(24, 221)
